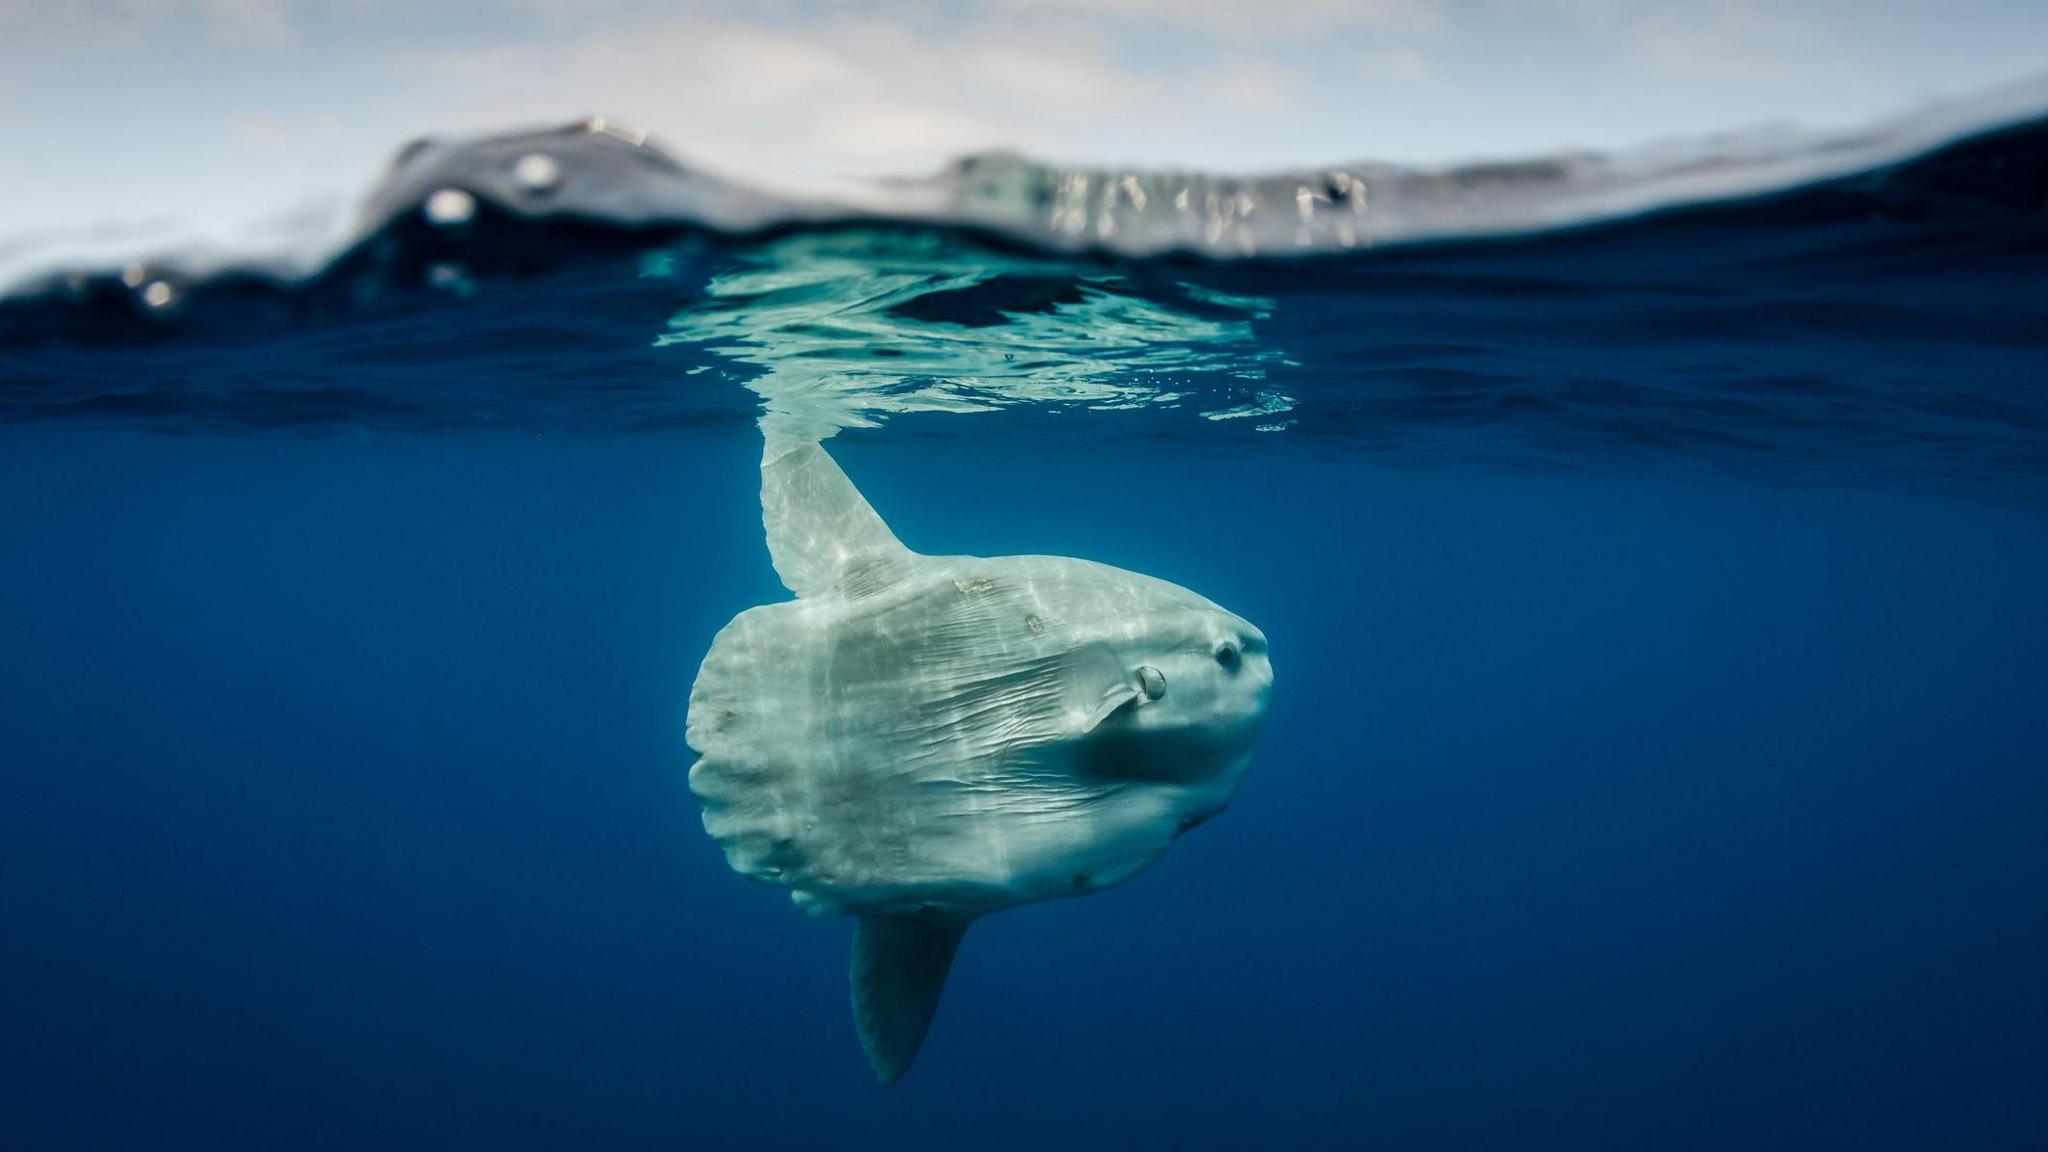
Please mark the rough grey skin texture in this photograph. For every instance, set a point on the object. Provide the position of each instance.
(922, 740)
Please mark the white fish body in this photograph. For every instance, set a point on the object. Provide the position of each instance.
(921, 740)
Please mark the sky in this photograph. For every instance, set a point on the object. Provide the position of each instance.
(244, 117)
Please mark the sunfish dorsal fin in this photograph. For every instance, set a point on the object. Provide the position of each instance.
(822, 533)
(899, 969)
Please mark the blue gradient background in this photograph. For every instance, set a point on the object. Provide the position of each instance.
(344, 805)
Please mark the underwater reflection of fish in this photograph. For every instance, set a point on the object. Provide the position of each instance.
(921, 740)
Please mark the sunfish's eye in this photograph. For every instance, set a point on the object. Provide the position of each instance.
(1152, 681)
(1226, 654)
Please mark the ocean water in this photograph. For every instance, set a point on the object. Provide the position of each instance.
(1659, 755)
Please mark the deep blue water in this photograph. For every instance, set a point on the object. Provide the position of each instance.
(1659, 755)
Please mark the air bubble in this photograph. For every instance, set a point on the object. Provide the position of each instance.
(449, 207)
(450, 276)
(537, 173)
(158, 294)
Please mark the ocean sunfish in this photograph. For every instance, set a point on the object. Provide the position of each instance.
(921, 740)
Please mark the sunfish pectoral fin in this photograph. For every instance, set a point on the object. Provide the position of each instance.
(1097, 685)
(1112, 701)
(822, 533)
(899, 969)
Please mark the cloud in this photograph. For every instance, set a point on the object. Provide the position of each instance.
(798, 91)
(265, 20)
(128, 26)
(260, 130)
(846, 95)
(1407, 65)
(1248, 21)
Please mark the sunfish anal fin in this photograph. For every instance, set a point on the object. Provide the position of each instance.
(823, 535)
(899, 970)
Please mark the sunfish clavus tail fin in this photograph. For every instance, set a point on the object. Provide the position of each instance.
(899, 970)
(823, 535)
